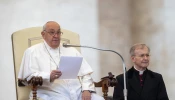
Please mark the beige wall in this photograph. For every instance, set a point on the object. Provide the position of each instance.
(114, 33)
(108, 24)
(125, 22)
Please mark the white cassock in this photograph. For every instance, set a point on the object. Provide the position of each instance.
(41, 59)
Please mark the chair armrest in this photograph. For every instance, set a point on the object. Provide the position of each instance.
(106, 82)
(34, 82)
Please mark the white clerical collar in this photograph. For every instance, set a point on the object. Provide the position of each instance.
(140, 72)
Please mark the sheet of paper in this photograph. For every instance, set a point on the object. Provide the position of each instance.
(69, 66)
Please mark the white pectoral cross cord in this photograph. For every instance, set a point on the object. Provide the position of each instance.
(52, 58)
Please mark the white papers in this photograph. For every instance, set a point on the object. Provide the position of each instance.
(69, 66)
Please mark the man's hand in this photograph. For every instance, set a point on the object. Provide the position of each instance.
(54, 75)
(86, 95)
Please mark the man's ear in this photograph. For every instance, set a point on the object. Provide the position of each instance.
(42, 33)
(133, 58)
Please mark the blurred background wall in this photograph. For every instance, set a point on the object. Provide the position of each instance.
(107, 24)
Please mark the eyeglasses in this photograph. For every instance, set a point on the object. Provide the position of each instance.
(143, 55)
(53, 33)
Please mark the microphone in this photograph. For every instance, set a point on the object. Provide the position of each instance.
(124, 66)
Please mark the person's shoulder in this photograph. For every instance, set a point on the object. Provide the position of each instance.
(70, 49)
(154, 74)
(34, 48)
(130, 72)
(119, 78)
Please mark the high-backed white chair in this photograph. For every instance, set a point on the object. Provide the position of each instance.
(25, 38)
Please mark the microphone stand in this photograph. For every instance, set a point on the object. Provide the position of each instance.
(124, 66)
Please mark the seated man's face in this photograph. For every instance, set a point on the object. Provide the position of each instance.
(141, 58)
(52, 34)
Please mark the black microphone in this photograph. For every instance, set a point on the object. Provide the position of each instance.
(124, 66)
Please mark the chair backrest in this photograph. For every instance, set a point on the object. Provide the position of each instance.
(25, 38)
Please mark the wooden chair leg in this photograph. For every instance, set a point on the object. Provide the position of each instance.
(34, 89)
(35, 82)
(105, 91)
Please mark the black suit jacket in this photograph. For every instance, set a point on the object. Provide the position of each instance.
(153, 87)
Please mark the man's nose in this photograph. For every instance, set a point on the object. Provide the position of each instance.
(146, 57)
(56, 35)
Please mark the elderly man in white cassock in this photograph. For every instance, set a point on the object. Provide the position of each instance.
(43, 59)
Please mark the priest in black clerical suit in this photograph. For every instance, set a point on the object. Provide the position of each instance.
(142, 84)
